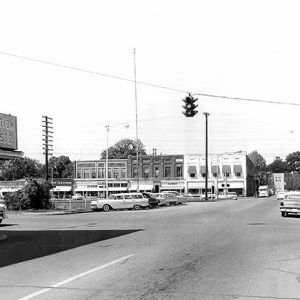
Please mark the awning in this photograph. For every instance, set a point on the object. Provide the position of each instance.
(215, 169)
(237, 169)
(62, 189)
(142, 187)
(198, 185)
(202, 169)
(226, 169)
(192, 170)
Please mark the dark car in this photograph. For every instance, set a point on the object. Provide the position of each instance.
(153, 201)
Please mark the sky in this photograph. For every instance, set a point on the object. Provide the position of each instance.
(234, 48)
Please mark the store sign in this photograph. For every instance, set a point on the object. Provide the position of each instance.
(8, 132)
(63, 182)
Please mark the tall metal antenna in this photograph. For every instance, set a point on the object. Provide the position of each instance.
(136, 123)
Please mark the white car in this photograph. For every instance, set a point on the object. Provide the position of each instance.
(290, 204)
(77, 197)
(174, 197)
(229, 195)
(120, 201)
(280, 195)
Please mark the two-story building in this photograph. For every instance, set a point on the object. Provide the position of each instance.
(231, 172)
(90, 177)
(156, 173)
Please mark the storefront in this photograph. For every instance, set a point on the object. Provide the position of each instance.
(62, 188)
(172, 185)
(97, 188)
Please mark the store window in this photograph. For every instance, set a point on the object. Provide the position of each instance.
(116, 173)
(79, 173)
(93, 173)
(86, 173)
(179, 171)
(123, 173)
(134, 172)
(156, 171)
(146, 171)
(167, 171)
(101, 172)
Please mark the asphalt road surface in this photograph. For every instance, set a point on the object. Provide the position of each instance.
(231, 249)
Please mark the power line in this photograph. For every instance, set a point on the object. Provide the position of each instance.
(143, 82)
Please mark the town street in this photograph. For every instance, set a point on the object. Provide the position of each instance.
(231, 249)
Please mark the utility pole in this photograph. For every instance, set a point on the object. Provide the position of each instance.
(47, 124)
(206, 154)
(136, 125)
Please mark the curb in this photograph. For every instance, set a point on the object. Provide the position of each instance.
(3, 237)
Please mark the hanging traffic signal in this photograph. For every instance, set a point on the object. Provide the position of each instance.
(189, 106)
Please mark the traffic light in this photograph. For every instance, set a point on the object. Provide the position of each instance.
(189, 106)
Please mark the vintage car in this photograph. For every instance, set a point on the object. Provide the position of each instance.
(280, 195)
(229, 195)
(153, 201)
(173, 197)
(290, 204)
(120, 201)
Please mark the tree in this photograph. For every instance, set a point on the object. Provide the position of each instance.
(278, 166)
(19, 168)
(260, 166)
(124, 148)
(62, 167)
(293, 161)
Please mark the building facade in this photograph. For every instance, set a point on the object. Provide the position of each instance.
(231, 172)
(286, 181)
(156, 173)
(90, 177)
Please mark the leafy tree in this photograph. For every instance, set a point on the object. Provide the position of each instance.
(124, 148)
(260, 166)
(293, 161)
(278, 166)
(19, 168)
(62, 167)
(17, 201)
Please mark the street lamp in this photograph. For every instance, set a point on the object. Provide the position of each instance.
(108, 127)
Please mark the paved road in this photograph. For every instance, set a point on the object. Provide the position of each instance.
(218, 250)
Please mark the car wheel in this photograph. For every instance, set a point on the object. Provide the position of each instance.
(0, 220)
(284, 214)
(136, 207)
(167, 203)
(106, 207)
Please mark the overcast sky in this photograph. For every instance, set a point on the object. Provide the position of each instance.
(247, 49)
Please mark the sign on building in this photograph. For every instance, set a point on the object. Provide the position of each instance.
(8, 132)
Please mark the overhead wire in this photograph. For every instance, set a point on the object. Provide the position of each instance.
(146, 83)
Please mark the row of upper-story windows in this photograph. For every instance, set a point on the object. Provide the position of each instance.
(157, 171)
(215, 171)
(215, 175)
(87, 173)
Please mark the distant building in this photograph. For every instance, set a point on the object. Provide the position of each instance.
(90, 177)
(231, 172)
(156, 173)
(286, 181)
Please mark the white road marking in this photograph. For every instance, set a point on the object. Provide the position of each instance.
(43, 291)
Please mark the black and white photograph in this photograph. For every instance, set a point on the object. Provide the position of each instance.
(150, 150)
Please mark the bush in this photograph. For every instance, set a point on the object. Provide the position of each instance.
(34, 195)
(17, 201)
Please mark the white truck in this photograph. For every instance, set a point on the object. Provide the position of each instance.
(264, 191)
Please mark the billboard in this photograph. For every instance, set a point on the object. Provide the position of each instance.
(8, 132)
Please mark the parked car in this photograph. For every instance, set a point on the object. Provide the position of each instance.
(174, 197)
(153, 201)
(2, 210)
(163, 201)
(77, 197)
(280, 195)
(290, 204)
(229, 195)
(121, 201)
(210, 196)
